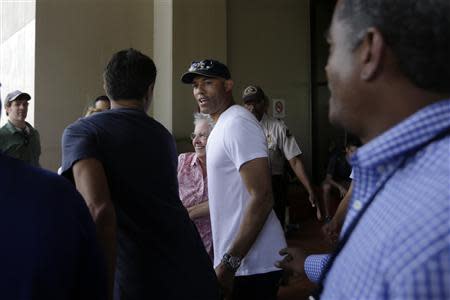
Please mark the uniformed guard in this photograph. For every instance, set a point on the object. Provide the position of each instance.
(282, 146)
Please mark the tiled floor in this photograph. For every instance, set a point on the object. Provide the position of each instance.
(309, 238)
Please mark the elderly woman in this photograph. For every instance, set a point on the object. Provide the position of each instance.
(193, 182)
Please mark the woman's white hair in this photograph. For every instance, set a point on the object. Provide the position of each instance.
(198, 117)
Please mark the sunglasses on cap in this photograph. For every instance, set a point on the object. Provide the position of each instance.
(201, 65)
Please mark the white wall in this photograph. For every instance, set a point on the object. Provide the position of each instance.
(17, 40)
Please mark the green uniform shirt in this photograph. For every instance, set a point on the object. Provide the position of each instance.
(16, 143)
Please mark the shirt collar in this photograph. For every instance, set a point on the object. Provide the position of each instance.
(14, 129)
(406, 136)
(194, 160)
(10, 126)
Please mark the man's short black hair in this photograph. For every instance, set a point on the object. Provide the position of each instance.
(418, 33)
(128, 75)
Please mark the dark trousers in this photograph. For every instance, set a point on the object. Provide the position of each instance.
(279, 197)
(259, 287)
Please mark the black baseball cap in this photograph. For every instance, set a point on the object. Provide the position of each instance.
(206, 67)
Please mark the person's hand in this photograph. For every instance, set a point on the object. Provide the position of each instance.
(293, 260)
(331, 231)
(226, 279)
(312, 199)
(342, 191)
(315, 203)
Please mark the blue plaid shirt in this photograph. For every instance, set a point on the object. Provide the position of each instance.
(401, 247)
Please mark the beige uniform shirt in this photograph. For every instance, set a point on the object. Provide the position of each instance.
(282, 144)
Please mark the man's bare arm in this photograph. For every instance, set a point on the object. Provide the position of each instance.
(256, 177)
(299, 170)
(91, 182)
(329, 180)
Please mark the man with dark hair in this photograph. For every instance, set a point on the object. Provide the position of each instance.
(389, 77)
(282, 146)
(245, 230)
(49, 249)
(18, 138)
(124, 163)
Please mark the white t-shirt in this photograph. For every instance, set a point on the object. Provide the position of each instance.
(237, 138)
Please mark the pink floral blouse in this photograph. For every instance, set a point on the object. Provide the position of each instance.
(193, 189)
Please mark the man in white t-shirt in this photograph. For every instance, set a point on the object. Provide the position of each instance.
(246, 233)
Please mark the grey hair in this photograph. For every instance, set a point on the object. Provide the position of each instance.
(416, 31)
(198, 117)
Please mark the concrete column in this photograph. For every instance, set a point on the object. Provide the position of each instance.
(163, 40)
(184, 31)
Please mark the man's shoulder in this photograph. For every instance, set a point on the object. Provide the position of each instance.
(36, 179)
(276, 125)
(236, 116)
(5, 129)
(186, 156)
(236, 111)
(32, 129)
(113, 119)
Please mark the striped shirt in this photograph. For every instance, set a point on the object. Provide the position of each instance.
(401, 247)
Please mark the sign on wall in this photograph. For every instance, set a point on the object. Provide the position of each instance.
(278, 108)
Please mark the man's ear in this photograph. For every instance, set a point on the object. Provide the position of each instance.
(151, 87)
(228, 85)
(149, 96)
(7, 109)
(371, 54)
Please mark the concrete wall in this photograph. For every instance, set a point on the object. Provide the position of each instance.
(74, 41)
(200, 31)
(268, 45)
(324, 134)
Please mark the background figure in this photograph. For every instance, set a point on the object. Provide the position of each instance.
(332, 229)
(18, 138)
(192, 180)
(101, 103)
(49, 249)
(282, 146)
(124, 163)
(246, 232)
(337, 180)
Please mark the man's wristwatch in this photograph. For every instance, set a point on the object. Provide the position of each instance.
(232, 263)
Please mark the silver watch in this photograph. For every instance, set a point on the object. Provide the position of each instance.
(232, 263)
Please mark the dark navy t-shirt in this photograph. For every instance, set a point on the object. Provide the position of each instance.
(339, 168)
(49, 250)
(160, 254)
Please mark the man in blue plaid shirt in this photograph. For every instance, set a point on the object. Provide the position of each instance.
(389, 77)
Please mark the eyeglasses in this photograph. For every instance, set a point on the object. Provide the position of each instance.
(201, 65)
(200, 136)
